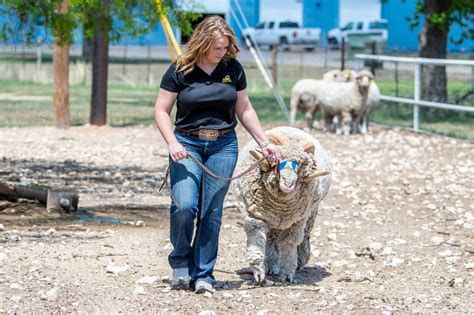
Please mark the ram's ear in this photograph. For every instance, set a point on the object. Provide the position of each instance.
(307, 146)
(257, 155)
(349, 74)
(311, 177)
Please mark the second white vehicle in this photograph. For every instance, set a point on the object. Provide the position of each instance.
(366, 29)
(285, 33)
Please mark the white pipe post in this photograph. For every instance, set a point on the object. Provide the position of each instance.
(472, 76)
(416, 107)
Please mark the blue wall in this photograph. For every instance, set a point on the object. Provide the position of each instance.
(251, 10)
(321, 13)
(401, 37)
(155, 37)
(316, 13)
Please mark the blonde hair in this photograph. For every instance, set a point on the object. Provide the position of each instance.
(202, 40)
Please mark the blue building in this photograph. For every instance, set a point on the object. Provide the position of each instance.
(401, 37)
(325, 14)
(250, 10)
(328, 14)
(321, 13)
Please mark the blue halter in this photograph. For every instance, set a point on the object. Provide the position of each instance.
(288, 164)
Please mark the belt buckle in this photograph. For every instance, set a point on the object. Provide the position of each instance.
(208, 134)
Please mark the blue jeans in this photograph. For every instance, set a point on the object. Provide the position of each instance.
(199, 196)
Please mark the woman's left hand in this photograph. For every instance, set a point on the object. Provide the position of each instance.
(271, 153)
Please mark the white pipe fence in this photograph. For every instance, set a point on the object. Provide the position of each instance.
(416, 101)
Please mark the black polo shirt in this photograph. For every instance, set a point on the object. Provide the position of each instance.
(206, 101)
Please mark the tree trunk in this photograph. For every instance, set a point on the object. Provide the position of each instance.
(61, 78)
(432, 42)
(100, 62)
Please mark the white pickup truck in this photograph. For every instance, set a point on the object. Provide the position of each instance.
(355, 33)
(285, 33)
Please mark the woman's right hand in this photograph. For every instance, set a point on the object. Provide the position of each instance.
(177, 151)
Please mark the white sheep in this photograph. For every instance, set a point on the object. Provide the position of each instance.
(303, 99)
(373, 98)
(363, 116)
(304, 94)
(345, 100)
(336, 75)
(281, 206)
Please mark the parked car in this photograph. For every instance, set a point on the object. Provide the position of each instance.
(286, 33)
(358, 32)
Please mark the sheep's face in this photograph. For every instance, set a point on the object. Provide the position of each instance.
(297, 165)
(364, 78)
(288, 171)
(363, 81)
(292, 170)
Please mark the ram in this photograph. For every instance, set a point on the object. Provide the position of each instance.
(281, 204)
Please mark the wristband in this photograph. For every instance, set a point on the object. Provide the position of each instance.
(264, 144)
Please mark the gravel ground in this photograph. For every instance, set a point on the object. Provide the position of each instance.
(395, 234)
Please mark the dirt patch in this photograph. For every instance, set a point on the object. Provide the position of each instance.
(395, 233)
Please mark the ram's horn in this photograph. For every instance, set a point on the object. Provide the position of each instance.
(278, 139)
(311, 177)
(264, 166)
(307, 145)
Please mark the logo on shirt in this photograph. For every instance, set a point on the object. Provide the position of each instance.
(226, 79)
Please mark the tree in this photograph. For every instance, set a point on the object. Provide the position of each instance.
(103, 21)
(100, 62)
(439, 16)
(57, 16)
(132, 17)
(61, 75)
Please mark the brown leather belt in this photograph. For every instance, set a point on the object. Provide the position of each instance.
(204, 134)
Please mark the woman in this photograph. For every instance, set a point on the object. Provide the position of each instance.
(209, 87)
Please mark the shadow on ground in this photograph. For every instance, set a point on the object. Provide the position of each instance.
(309, 275)
(83, 177)
(109, 183)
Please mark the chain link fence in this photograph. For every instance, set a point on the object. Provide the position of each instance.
(135, 73)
